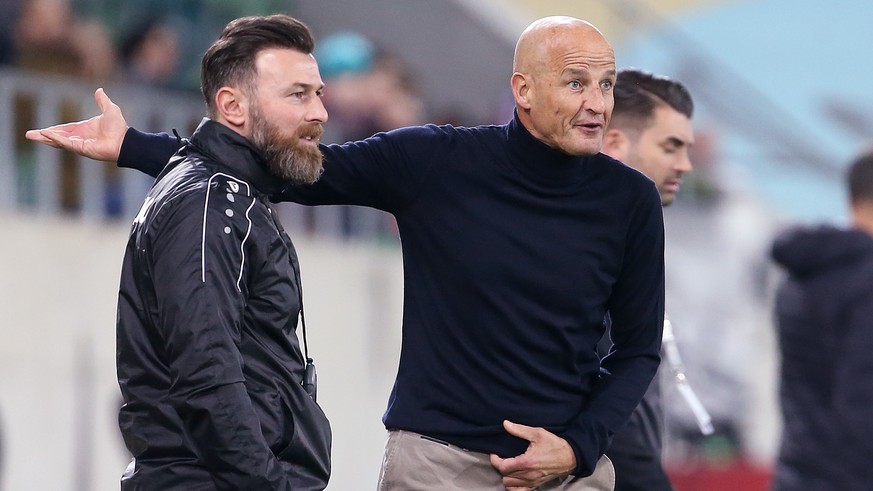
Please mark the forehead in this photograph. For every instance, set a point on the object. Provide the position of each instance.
(286, 67)
(576, 49)
(670, 123)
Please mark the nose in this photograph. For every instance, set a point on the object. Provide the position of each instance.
(316, 112)
(683, 165)
(595, 100)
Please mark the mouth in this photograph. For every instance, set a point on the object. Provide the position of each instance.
(672, 186)
(312, 136)
(590, 127)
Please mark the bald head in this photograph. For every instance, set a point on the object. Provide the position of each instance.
(563, 73)
(545, 35)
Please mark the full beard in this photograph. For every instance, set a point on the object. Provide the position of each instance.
(285, 156)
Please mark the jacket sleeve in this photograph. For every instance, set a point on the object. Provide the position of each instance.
(147, 152)
(636, 309)
(852, 389)
(385, 171)
(195, 255)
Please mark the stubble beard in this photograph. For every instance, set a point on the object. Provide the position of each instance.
(285, 156)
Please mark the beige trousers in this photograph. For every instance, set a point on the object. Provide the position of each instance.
(416, 463)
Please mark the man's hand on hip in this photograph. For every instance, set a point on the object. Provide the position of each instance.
(547, 457)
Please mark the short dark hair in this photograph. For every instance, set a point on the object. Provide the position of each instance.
(860, 178)
(230, 61)
(638, 93)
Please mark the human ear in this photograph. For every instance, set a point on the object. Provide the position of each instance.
(232, 106)
(615, 144)
(521, 90)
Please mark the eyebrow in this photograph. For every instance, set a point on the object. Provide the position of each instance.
(676, 141)
(577, 72)
(306, 86)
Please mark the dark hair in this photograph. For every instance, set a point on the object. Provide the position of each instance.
(230, 61)
(860, 178)
(638, 93)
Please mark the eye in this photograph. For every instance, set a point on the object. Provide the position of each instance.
(671, 148)
(575, 85)
(606, 85)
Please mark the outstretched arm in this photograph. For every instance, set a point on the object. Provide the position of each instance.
(98, 138)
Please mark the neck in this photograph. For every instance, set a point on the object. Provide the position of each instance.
(241, 129)
(862, 216)
(525, 120)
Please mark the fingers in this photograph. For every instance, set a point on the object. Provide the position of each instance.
(529, 433)
(48, 137)
(518, 475)
(36, 135)
(547, 457)
(509, 466)
(58, 140)
(529, 479)
(103, 100)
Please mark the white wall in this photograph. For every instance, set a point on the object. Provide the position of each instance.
(58, 394)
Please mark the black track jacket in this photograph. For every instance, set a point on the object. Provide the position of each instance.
(208, 357)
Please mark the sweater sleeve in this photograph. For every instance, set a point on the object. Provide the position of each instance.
(636, 309)
(147, 152)
(385, 171)
(200, 302)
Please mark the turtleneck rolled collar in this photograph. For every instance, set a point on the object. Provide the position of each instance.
(539, 161)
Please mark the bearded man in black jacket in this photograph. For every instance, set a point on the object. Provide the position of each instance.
(207, 354)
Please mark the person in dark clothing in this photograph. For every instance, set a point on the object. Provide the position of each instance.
(650, 131)
(824, 314)
(517, 240)
(207, 354)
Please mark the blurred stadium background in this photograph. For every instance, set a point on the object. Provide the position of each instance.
(783, 104)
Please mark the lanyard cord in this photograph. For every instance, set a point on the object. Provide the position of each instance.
(310, 379)
(299, 283)
(303, 324)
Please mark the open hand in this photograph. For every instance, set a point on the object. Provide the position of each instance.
(98, 138)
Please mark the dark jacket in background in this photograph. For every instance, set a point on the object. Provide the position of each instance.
(636, 450)
(825, 325)
(208, 358)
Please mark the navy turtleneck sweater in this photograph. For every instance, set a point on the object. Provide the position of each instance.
(513, 252)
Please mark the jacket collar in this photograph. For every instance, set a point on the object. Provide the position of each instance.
(229, 149)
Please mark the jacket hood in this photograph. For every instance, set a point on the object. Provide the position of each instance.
(804, 251)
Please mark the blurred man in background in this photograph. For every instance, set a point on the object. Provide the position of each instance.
(824, 314)
(651, 132)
